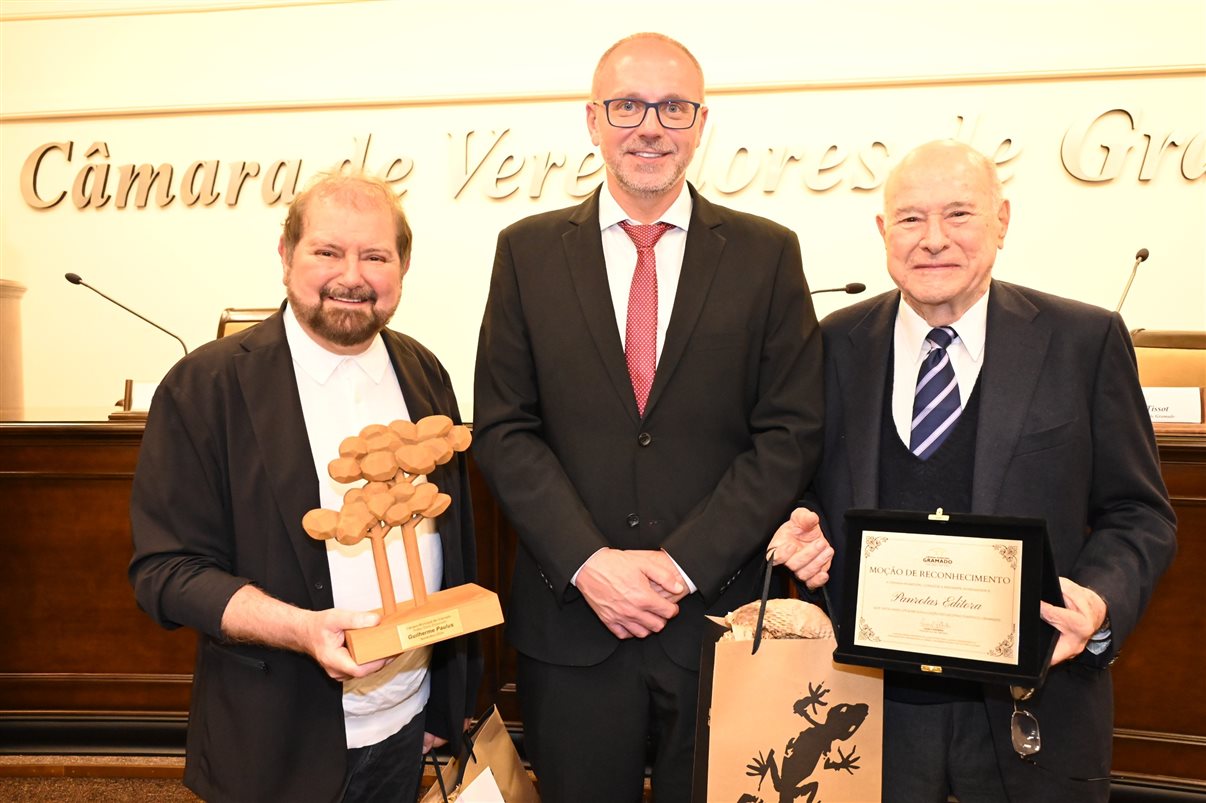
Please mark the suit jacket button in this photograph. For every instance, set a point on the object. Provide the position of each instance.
(318, 586)
(644, 439)
(633, 520)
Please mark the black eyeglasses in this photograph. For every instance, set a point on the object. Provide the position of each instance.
(1023, 725)
(631, 112)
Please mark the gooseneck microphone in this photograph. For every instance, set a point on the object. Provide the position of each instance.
(74, 278)
(1140, 256)
(854, 288)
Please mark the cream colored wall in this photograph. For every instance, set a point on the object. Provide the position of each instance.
(180, 82)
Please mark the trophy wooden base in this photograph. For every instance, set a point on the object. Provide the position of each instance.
(446, 614)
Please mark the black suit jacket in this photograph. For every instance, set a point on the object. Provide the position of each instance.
(224, 477)
(1063, 435)
(730, 432)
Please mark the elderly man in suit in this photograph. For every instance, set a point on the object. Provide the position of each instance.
(647, 405)
(235, 452)
(965, 392)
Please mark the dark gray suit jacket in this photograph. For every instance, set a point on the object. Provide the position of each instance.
(1063, 435)
(730, 433)
(224, 477)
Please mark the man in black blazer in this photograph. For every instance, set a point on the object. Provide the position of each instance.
(1053, 425)
(638, 514)
(234, 454)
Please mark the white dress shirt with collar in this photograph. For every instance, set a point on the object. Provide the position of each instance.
(340, 395)
(910, 348)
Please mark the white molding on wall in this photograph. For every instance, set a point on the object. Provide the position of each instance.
(839, 85)
(35, 10)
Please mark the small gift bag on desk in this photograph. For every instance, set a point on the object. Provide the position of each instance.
(779, 721)
(489, 769)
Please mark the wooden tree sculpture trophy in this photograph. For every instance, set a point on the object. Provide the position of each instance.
(390, 459)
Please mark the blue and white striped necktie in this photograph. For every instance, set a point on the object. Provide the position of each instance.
(936, 405)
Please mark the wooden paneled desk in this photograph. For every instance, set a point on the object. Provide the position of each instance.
(83, 670)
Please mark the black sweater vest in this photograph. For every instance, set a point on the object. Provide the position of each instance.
(907, 482)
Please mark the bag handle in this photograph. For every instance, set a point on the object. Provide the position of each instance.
(766, 581)
(470, 738)
(435, 762)
(770, 564)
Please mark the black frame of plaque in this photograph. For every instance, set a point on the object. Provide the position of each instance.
(1036, 638)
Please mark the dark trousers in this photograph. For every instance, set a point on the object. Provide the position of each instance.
(388, 771)
(587, 729)
(941, 749)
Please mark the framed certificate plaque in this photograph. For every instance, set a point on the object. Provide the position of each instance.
(950, 595)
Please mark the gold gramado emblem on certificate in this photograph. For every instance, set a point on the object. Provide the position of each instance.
(947, 595)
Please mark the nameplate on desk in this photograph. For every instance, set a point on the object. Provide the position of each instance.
(136, 401)
(1174, 405)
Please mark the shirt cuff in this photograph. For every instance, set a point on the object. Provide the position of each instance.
(574, 579)
(1099, 642)
(691, 589)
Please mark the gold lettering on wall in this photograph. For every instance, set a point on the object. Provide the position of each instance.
(398, 171)
(541, 175)
(823, 177)
(463, 168)
(206, 194)
(1093, 151)
(503, 172)
(29, 175)
(89, 186)
(239, 172)
(874, 161)
(740, 173)
(45, 178)
(1193, 162)
(144, 177)
(1096, 150)
(394, 174)
(586, 172)
(777, 161)
(280, 181)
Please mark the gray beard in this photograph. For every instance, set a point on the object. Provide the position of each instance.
(628, 182)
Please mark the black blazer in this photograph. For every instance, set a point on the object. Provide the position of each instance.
(1063, 435)
(731, 429)
(224, 477)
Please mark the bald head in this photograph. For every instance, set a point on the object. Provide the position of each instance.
(636, 41)
(941, 154)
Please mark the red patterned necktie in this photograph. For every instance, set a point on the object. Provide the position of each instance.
(640, 334)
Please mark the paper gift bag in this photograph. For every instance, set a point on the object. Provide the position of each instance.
(488, 751)
(785, 724)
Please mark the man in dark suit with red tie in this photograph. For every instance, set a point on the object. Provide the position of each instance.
(984, 397)
(647, 406)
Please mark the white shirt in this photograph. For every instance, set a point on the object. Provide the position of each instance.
(910, 348)
(340, 395)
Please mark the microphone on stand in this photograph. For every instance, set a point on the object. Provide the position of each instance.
(74, 278)
(1140, 256)
(854, 288)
